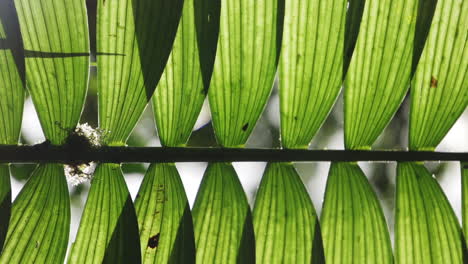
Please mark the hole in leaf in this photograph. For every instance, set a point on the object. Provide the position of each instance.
(153, 241)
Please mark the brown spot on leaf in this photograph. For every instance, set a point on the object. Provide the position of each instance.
(153, 241)
(433, 82)
(244, 128)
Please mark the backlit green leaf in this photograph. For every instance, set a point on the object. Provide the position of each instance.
(245, 66)
(55, 36)
(426, 228)
(11, 74)
(439, 91)
(311, 67)
(285, 223)
(5, 202)
(222, 218)
(464, 171)
(380, 69)
(134, 40)
(40, 219)
(108, 231)
(353, 225)
(181, 91)
(164, 218)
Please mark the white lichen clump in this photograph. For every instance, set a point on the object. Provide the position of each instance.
(79, 173)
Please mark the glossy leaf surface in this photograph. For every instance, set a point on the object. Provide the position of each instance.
(245, 66)
(439, 91)
(134, 40)
(426, 228)
(353, 225)
(181, 91)
(57, 60)
(311, 66)
(380, 69)
(222, 218)
(40, 219)
(285, 223)
(164, 218)
(108, 231)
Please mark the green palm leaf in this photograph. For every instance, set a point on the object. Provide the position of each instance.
(426, 228)
(439, 91)
(353, 225)
(464, 171)
(166, 230)
(311, 66)
(181, 91)
(134, 40)
(245, 66)
(12, 80)
(285, 223)
(55, 36)
(40, 220)
(380, 69)
(222, 218)
(108, 231)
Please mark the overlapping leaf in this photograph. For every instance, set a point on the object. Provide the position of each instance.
(222, 218)
(464, 175)
(286, 226)
(380, 69)
(426, 228)
(245, 66)
(11, 100)
(439, 91)
(164, 218)
(181, 91)
(108, 231)
(55, 36)
(134, 40)
(353, 225)
(311, 67)
(5, 202)
(40, 220)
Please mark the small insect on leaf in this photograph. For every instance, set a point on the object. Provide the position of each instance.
(433, 82)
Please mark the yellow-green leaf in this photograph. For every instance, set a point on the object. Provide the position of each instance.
(181, 91)
(55, 36)
(439, 91)
(245, 66)
(311, 67)
(164, 218)
(222, 218)
(108, 231)
(285, 223)
(426, 228)
(380, 69)
(40, 219)
(134, 40)
(353, 225)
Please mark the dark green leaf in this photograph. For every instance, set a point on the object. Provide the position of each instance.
(426, 228)
(353, 225)
(40, 219)
(164, 218)
(245, 66)
(134, 40)
(5, 202)
(55, 35)
(108, 231)
(439, 91)
(379, 71)
(311, 66)
(464, 171)
(222, 218)
(286, 226)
